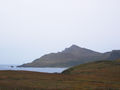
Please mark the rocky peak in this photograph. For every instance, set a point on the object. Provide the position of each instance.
(78, 51)
(75, 46)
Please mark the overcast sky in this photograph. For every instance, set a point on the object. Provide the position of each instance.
(32, 28)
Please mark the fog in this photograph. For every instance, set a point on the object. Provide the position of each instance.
(32, 28)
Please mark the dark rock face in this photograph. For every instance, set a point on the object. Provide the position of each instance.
(115, 54)
(78, 51)
(72, 56)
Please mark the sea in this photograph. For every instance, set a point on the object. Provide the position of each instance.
(34, 69)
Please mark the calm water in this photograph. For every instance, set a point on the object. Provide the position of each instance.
(48, 70)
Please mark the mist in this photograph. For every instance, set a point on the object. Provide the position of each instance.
(32, 28)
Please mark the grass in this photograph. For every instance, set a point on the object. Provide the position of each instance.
(100, 75)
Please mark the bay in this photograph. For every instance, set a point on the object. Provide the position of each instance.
(35, 69)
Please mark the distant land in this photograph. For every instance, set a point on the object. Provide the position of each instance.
(72, 56)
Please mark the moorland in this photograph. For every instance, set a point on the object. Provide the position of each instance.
(98, 75)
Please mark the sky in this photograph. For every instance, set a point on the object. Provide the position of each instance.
(32, 28)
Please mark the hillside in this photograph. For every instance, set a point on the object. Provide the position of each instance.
(105, 67)
(100, 75)
(66, 58)
(72, 56)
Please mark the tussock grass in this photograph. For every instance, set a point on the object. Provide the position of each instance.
(100, 75)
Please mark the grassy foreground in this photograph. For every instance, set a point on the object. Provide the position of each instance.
(101, 75)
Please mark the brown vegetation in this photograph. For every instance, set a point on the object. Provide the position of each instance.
(103, 75)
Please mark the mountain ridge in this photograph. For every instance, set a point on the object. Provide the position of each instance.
(72, 56)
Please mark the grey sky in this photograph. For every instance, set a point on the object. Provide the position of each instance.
(31, 28)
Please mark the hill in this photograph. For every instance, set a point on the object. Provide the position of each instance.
(100, 67)
(99, 75)
(72, 56)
